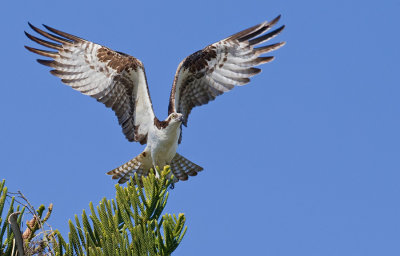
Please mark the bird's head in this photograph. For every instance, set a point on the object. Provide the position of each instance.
(175, 118)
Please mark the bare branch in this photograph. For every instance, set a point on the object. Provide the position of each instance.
(12, 220)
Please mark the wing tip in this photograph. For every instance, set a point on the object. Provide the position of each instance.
(269, 58)
(273, 21)
(276, 19)
(54, 72)
(31, 37)
(47, 27)
(279, 30)
(263, 60)
(34, 28)
(63, 34)
(256, 71)
(280, 44)
(45, 53)
(48, 63)
(31, 26)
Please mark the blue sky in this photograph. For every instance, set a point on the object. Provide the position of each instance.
(304, 160)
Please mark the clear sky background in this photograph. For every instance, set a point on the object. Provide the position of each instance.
(304, 160)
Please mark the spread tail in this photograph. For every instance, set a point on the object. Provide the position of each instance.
(125, 171)
(182, 168)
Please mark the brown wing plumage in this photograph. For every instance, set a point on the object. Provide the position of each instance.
(219, 67)
(113, 78)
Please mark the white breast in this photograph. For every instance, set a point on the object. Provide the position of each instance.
(163, 143)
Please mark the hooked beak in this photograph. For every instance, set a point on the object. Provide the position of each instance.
(181, 119)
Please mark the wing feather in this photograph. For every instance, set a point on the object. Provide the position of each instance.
(113, 78)
(221, 66)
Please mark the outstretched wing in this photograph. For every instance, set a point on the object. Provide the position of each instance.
(217, 68)
(113, 78)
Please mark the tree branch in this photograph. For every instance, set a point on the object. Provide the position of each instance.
(12, 219)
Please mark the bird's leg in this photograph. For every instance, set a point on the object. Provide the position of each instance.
(155, 171)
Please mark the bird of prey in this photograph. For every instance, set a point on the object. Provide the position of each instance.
(119, 82)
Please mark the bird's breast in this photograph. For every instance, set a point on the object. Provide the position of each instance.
(163, 143)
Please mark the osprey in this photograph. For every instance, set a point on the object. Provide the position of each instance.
(119, 81)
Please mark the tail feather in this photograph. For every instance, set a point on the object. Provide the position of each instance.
(182, 167)
(125, 171)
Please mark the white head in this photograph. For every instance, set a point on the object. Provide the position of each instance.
(175, 118)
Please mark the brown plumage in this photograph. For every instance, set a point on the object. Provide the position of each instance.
(119, 82)
(99, 72)
(217, 68)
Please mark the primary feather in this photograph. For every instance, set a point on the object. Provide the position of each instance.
(221, 66)
(115, 79)
(119, 82)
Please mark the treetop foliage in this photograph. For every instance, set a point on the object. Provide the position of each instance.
(130, 224)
